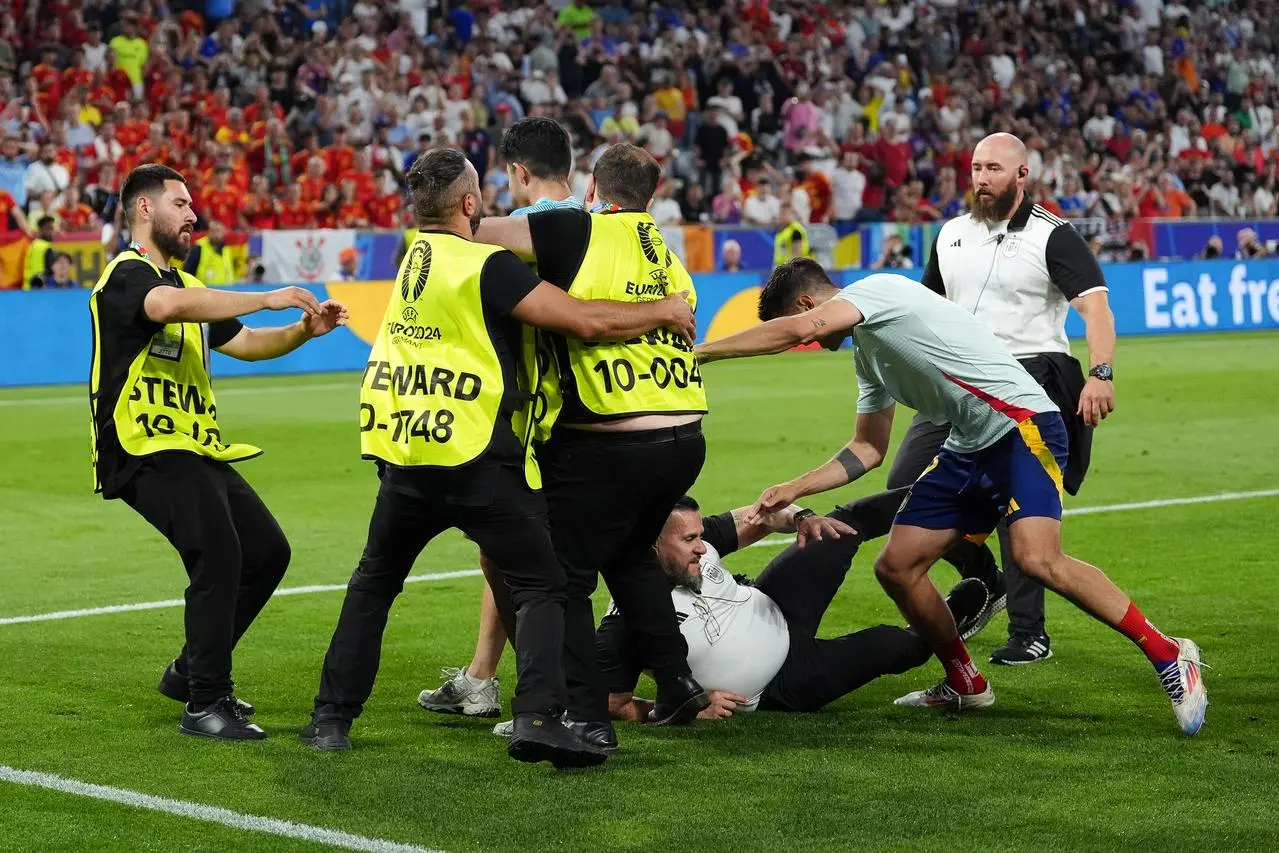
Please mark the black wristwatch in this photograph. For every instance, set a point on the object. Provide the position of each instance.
(800, 516)
(1103, 372)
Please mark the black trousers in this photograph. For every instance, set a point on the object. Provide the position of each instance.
(232, 547)
(803, 582)
(495, 507)
(609, 496)
(922, 441)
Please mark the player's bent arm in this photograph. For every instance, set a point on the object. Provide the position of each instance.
(628, 709)
(782, 333)
(864, 453)
(165, 304)
(549, 307)
(509, 232)
(1099, 326)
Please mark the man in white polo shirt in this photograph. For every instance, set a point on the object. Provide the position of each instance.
(753, 645)
(1003, 459)
(1019, 269)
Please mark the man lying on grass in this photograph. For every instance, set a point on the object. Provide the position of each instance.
(753, 644)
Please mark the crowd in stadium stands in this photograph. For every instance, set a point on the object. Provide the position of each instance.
(306, 113)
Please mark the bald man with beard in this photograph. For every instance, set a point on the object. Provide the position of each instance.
(1019, 268)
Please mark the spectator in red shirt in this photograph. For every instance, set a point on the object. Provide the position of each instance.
(351, 211)
(384, 210)
(218, 201)
(262, 109)
(301, 159)
(294, 211)
(341, 154)
(324, 213)
(260, 211)
(312, 184)
(361, 175)
(74, 214)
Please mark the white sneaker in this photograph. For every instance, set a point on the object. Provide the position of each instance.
(942, 695)
(461, 694)
(506, 729)
(1185, 687)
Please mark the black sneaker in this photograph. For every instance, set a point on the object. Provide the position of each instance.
(1022, 649)
(597, 734)
(174, 685)
(967, 600)
(996, 600)
(222, 720)
(678, 702)
(327, 735)
(542, 737)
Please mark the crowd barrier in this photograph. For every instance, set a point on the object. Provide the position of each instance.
(45, 336)
(311, 256)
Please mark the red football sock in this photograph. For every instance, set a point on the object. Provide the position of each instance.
(961, 672)
(1157, 646)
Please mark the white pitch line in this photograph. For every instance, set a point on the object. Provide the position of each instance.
(209, 814)
(177, 602)
(233, 391)
(775, 542)
(771, 542)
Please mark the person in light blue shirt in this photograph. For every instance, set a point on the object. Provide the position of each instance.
(539, 162)
(13, 170)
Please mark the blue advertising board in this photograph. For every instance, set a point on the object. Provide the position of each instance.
(45, 336)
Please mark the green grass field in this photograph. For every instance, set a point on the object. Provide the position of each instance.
(1081, 752)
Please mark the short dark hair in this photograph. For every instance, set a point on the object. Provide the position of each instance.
(686, 504)
(787, 283)
(147, 180)
(435, 184)
(45, 220)
(541, 145)
(627, 175)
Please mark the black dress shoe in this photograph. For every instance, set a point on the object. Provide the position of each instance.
(221, 720)
(327, 735)
(174, 685)
(542, 737)
(678, 702)
(597, 734)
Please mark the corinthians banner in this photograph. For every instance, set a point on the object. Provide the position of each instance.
(304, 256)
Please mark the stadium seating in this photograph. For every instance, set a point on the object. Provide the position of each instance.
(764, 112)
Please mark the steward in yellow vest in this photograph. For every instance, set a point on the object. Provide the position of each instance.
(157, 445)
(445, 409)
(790, 242)
(39, 254)
(212, 263)
(628, 443)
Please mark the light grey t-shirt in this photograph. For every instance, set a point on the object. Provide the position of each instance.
(926, 352)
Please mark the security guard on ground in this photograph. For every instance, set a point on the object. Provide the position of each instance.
(157, 444)
(446, 411)
(210, 259)
(627, 442)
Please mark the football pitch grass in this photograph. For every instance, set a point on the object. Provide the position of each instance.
(1081, 752)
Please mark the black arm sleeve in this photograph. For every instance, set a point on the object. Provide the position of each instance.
(616, 657)
(560, 237)
(193, 261)
(123, 297)
(932, 273)
(1071, 264)
(720, 532)
(505, 280)
(221, 332)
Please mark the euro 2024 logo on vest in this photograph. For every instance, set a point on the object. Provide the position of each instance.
(416, 269)
(310, 266)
